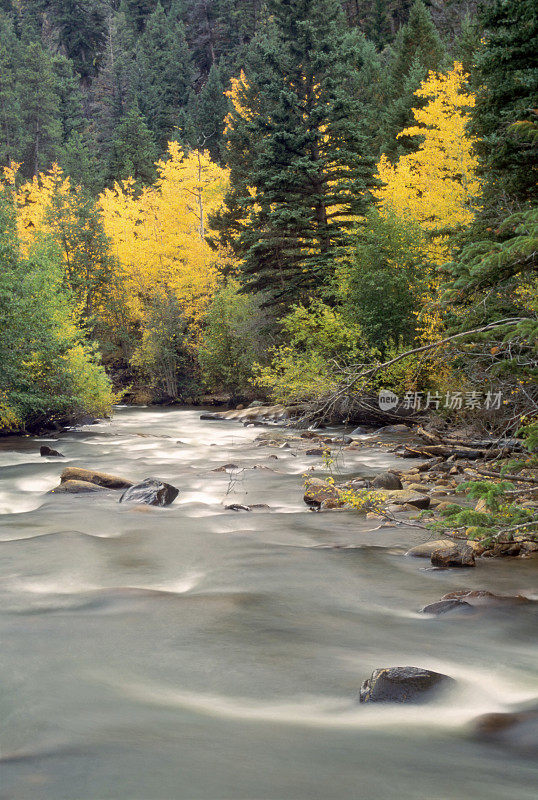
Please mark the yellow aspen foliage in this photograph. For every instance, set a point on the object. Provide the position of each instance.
(437, 186)
(159, 234)
(33, 200)
(234, 94)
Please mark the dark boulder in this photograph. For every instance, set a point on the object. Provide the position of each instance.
(45, 451)
(444, 606)
(517, 730)
(401, 685)
(151, 492)
(458, 555)
(387, 480)
(314, 451)
(237, 507)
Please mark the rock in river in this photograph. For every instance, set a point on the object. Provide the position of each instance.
(45, 450)
(92, 476)
(151, 492)
(386, 480)
(444, 606)
(401, 685)
(517, 730)
(402, 496)
(457, 555)
(77, 487)
(426, 549)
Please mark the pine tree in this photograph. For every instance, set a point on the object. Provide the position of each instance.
(418, 39)
(507, 74)
(493, 276)
(41, 109)
(165, 73)
(138, 11)
(299, 168)
(133, 153)
(81, 32)
(207, 112)
(417, 50)
(113, 90)
(13, 134)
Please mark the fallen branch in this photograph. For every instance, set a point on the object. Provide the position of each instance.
(491, 474)
(369, 373)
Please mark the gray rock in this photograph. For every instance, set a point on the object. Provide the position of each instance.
(387, 480)
(44, 451)
(151, 492)
(360, 431)
(401, 685)
(315, 451)
(237, 507)
(444, 606)
(458, 555)
(426, 549)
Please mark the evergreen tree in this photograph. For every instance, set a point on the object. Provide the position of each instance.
(507, 77)
(493, 276)
(133, 152)
(41, 109)
(297, 152)
(417, 50)
(13, 134)
(137, 11)
(165, 73)
(112, 91)
(417, 40)
(207, 112)
(81, 32)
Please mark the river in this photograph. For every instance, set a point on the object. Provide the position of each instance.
(195, 653)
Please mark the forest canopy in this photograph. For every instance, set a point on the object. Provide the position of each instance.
(264, 199)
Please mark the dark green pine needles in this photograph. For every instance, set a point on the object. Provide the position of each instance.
(299, 159)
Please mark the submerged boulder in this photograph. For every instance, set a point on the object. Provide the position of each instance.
(401, 685)
(517, 730)
(481, 597)
(151, 492)
(444, 606)
(93, 476)
(45, 451)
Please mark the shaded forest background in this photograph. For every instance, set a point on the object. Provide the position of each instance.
(101, 87)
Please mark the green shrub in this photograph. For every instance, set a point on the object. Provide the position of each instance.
(48, 369)
(236, 334)
(319, 344)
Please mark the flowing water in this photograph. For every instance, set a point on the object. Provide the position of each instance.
(194, 652)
